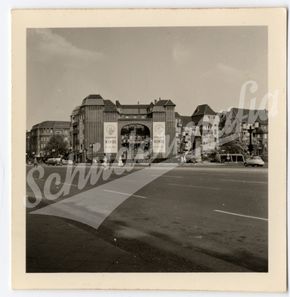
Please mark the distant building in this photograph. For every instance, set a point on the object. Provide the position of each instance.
(42, 132)
(184, 130)
(198, 133)
(235, 124)
(207, 122)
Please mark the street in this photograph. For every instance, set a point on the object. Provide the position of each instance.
(171, 219)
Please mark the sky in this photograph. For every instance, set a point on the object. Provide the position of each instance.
(189, 65)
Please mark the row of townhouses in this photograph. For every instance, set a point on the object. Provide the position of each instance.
(99, 127)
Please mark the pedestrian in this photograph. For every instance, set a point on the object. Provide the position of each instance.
(105, 161)
(120, 162)
(35, 162)
(149, 160)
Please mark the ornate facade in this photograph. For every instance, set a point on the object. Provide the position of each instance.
(100, 127)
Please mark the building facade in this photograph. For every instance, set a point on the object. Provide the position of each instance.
(28, 146)
(41, 133)
(247, 127)
(206, 122)
(199, 132)
(101, 128)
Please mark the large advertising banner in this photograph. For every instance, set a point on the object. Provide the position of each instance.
(159, 137)
(110, 137)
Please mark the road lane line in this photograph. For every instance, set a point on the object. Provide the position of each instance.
(93, 206)
(126, 194)
(240, 215)
(244, 181)
(191, 186)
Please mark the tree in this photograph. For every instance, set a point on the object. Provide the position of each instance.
(234, 147)
(56, 146)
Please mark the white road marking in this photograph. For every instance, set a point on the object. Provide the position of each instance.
(126, 194)
(244, 181)
(240, 215)
(93, 206)
(191, 186)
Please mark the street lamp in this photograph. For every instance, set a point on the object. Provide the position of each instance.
(251, 128)
(91, 146)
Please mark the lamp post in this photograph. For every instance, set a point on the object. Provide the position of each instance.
(91, 147)
(251, 128)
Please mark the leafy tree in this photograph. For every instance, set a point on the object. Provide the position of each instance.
(56, 146)
(234, 147)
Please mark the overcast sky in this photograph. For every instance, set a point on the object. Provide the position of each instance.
(189, 65)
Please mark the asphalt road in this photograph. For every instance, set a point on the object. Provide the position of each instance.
(190, 219)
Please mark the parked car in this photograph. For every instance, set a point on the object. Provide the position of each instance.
(54, 161)
(67, 162)
(254, 161)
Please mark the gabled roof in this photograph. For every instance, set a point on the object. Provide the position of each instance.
(249, 116)
(109, 106)
(162, 102)
(52, 125)
(203, 109)
(200, 112)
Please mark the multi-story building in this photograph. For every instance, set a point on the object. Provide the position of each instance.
(28, 150)
(206, 122)
(41, 133)
(100, 127)
(184, 131)
(198, 133)
(242, 124)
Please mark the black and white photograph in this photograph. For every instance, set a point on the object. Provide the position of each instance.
(147, 149)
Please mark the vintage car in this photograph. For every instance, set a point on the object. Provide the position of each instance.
(254, 161)
(54, 161)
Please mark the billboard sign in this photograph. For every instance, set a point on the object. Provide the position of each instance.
(110, 137)
(158, 137)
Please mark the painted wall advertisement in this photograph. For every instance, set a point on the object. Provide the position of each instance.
(110, 137)
(158, 137)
